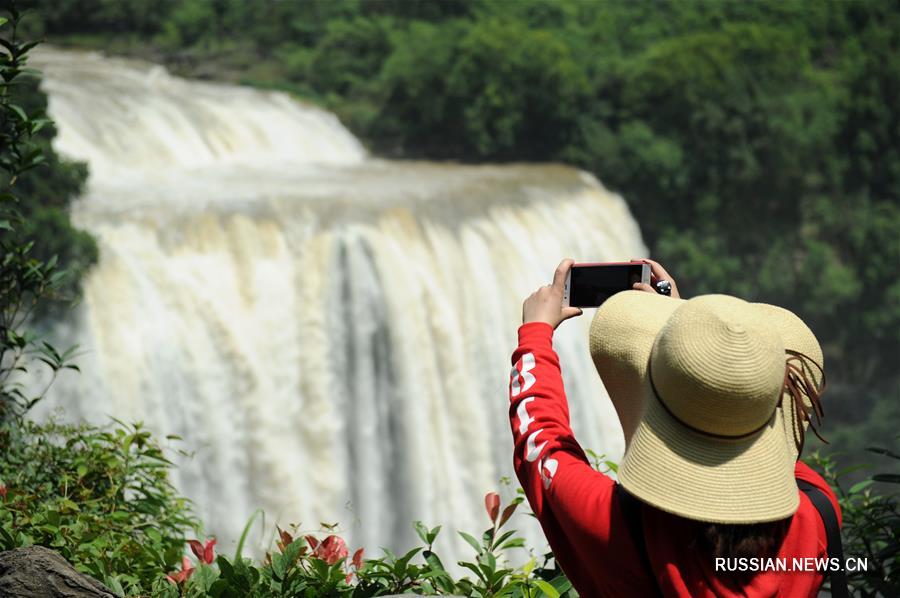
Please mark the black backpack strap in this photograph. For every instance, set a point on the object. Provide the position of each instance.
(631, 512)
(832, 532)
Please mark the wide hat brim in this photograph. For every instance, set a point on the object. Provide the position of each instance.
(621, 337)
(668, 465)
(693, 475)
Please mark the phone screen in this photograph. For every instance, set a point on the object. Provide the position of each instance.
(590, 286)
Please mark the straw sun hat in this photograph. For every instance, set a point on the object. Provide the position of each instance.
(698, 388)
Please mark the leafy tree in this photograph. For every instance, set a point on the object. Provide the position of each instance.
(347, 56)
(42, 199)
(100, 496)
(496, 90)
(24, 278)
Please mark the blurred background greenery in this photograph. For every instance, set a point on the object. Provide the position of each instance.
(757, 143)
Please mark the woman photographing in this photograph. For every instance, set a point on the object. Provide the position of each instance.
(714, 395)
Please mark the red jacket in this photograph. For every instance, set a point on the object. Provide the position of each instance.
(581, 516)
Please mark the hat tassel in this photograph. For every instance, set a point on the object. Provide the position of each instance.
(798, 383)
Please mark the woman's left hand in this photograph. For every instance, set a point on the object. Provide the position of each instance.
(657, 274)
(546, 303)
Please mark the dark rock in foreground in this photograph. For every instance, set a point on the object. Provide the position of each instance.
(38, 572)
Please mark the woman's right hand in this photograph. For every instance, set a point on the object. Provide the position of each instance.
(546, 303)
(657, 273)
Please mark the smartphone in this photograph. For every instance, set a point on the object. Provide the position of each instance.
(589, 285)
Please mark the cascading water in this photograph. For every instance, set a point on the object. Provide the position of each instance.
(329, 334)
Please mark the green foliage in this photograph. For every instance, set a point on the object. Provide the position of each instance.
(871, 524)
(99, 496)
(102, 499)
(347, 55)
(38, 184)
(27, 276)
(311, 567)
(439, 98)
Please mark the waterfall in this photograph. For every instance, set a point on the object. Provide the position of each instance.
(329, 333)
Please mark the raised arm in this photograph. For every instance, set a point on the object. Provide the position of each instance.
(551, 466)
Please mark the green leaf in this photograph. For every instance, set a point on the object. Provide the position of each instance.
(278, 566)
(400, 566)
(238, 553)
(115, 585)
(859, 487)
(26, 47)
(19, 112)
(474, 568)
(204, 577)
(889, 478)
(421, 530)
(513, 543)
(320, 568)
(225, 568)
(562, 584)
(472, 541)
(218, 588)
(546, 588)
(433, 561)
(504, 537)
(292, 551)
(433, 534)
(490, 562)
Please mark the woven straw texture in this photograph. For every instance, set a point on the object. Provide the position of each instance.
(798, 337)
(718, 363)
(621, 337)
(622, 334)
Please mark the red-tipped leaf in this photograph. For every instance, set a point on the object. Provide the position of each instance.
(507, 513)
(196, 548)
(492, 505)
(331, 549)
(209, 552)
(179, 577)
(286, 537)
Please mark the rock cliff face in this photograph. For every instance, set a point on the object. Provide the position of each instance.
(38, 572)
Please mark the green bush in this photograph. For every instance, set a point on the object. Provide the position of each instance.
(101, 497)
(312, 567)
(871, 524)
(37, 185)
(495, 90)
(27, 279)
(346, 57)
